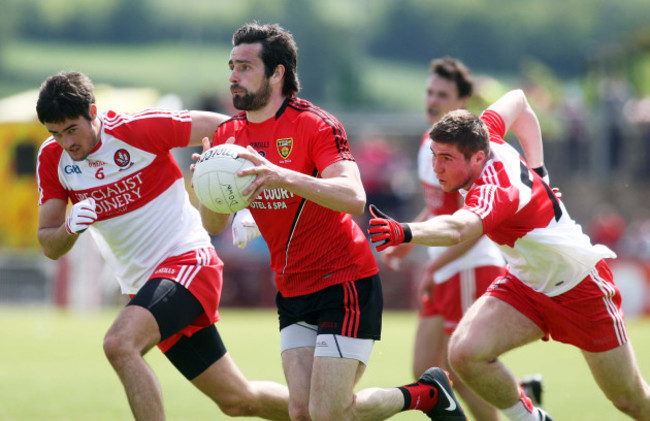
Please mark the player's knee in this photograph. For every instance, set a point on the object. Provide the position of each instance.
(114, 347)
(238, 409)
(461, 354)
(629, 406)
(240, 405)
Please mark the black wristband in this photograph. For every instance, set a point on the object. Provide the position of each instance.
(541, 171)
(408, 235)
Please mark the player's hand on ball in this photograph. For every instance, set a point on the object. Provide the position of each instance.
(82, 215)
(386, 230)
(205, 142)
(215, 179)
(244, 228)
(269, 175)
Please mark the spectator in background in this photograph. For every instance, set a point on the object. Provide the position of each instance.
(615, 93)
(576, 135)
(607, 226)
(383, 168)
(635, 243)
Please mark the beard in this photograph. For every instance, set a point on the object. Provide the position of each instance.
(252, 101)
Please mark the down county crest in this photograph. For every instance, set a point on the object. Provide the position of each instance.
(284, 146)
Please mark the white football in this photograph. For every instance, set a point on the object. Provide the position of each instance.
(215, 179)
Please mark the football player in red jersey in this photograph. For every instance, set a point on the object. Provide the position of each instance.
(307, 189)
(557, 284)
(128, 192)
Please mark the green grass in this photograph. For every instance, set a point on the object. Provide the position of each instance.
(52, 367)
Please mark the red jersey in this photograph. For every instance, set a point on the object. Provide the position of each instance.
(544, 247)
(312, 247)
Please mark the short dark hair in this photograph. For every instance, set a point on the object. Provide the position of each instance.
(66, 95)
(278, 47)
(463, 129)
(454, 70)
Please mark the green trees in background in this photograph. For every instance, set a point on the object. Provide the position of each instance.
(336, 36)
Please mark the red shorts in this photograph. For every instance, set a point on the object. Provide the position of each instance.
(452, 298)
(200, 271)
(588, 316)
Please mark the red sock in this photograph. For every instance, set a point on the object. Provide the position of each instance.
(419, 396)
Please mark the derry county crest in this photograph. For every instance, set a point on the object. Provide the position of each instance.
(284, 146)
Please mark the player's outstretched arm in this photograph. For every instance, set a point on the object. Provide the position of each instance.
(519, 117)
(443, 230)
(393, 256)
(204, 124)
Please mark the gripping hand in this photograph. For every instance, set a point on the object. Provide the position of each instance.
(82, 215)
(244, 228)
(385, 229)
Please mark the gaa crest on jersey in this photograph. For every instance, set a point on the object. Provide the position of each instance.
(122, 158)
(284, 146)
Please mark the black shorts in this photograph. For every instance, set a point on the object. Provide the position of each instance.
(174, 308)
(353, 309)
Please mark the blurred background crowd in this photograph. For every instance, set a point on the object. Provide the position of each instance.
(585, 66)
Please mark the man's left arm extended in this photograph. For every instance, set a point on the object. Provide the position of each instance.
(443, 230)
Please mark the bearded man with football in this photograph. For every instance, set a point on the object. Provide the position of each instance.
(128, 191)
(306, 190)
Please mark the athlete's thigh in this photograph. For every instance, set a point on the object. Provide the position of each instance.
(135, 326)
(297, 364)
(491, 327)
(222, 380)
(617, 372)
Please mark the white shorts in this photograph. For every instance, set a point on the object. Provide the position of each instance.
(302, 334)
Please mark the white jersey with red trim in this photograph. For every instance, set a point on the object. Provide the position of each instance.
(544, 247)
(144, 212)
(484, 252)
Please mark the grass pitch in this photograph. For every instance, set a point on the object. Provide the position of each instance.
(52, 367)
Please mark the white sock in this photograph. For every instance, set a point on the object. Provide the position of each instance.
(519, 412)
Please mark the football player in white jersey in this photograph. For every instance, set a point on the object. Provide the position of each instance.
(454, 277)
(128, 192)
(558, 284)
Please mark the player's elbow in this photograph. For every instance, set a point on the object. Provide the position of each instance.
(52, 254)
(213, 229)
(358, 206)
